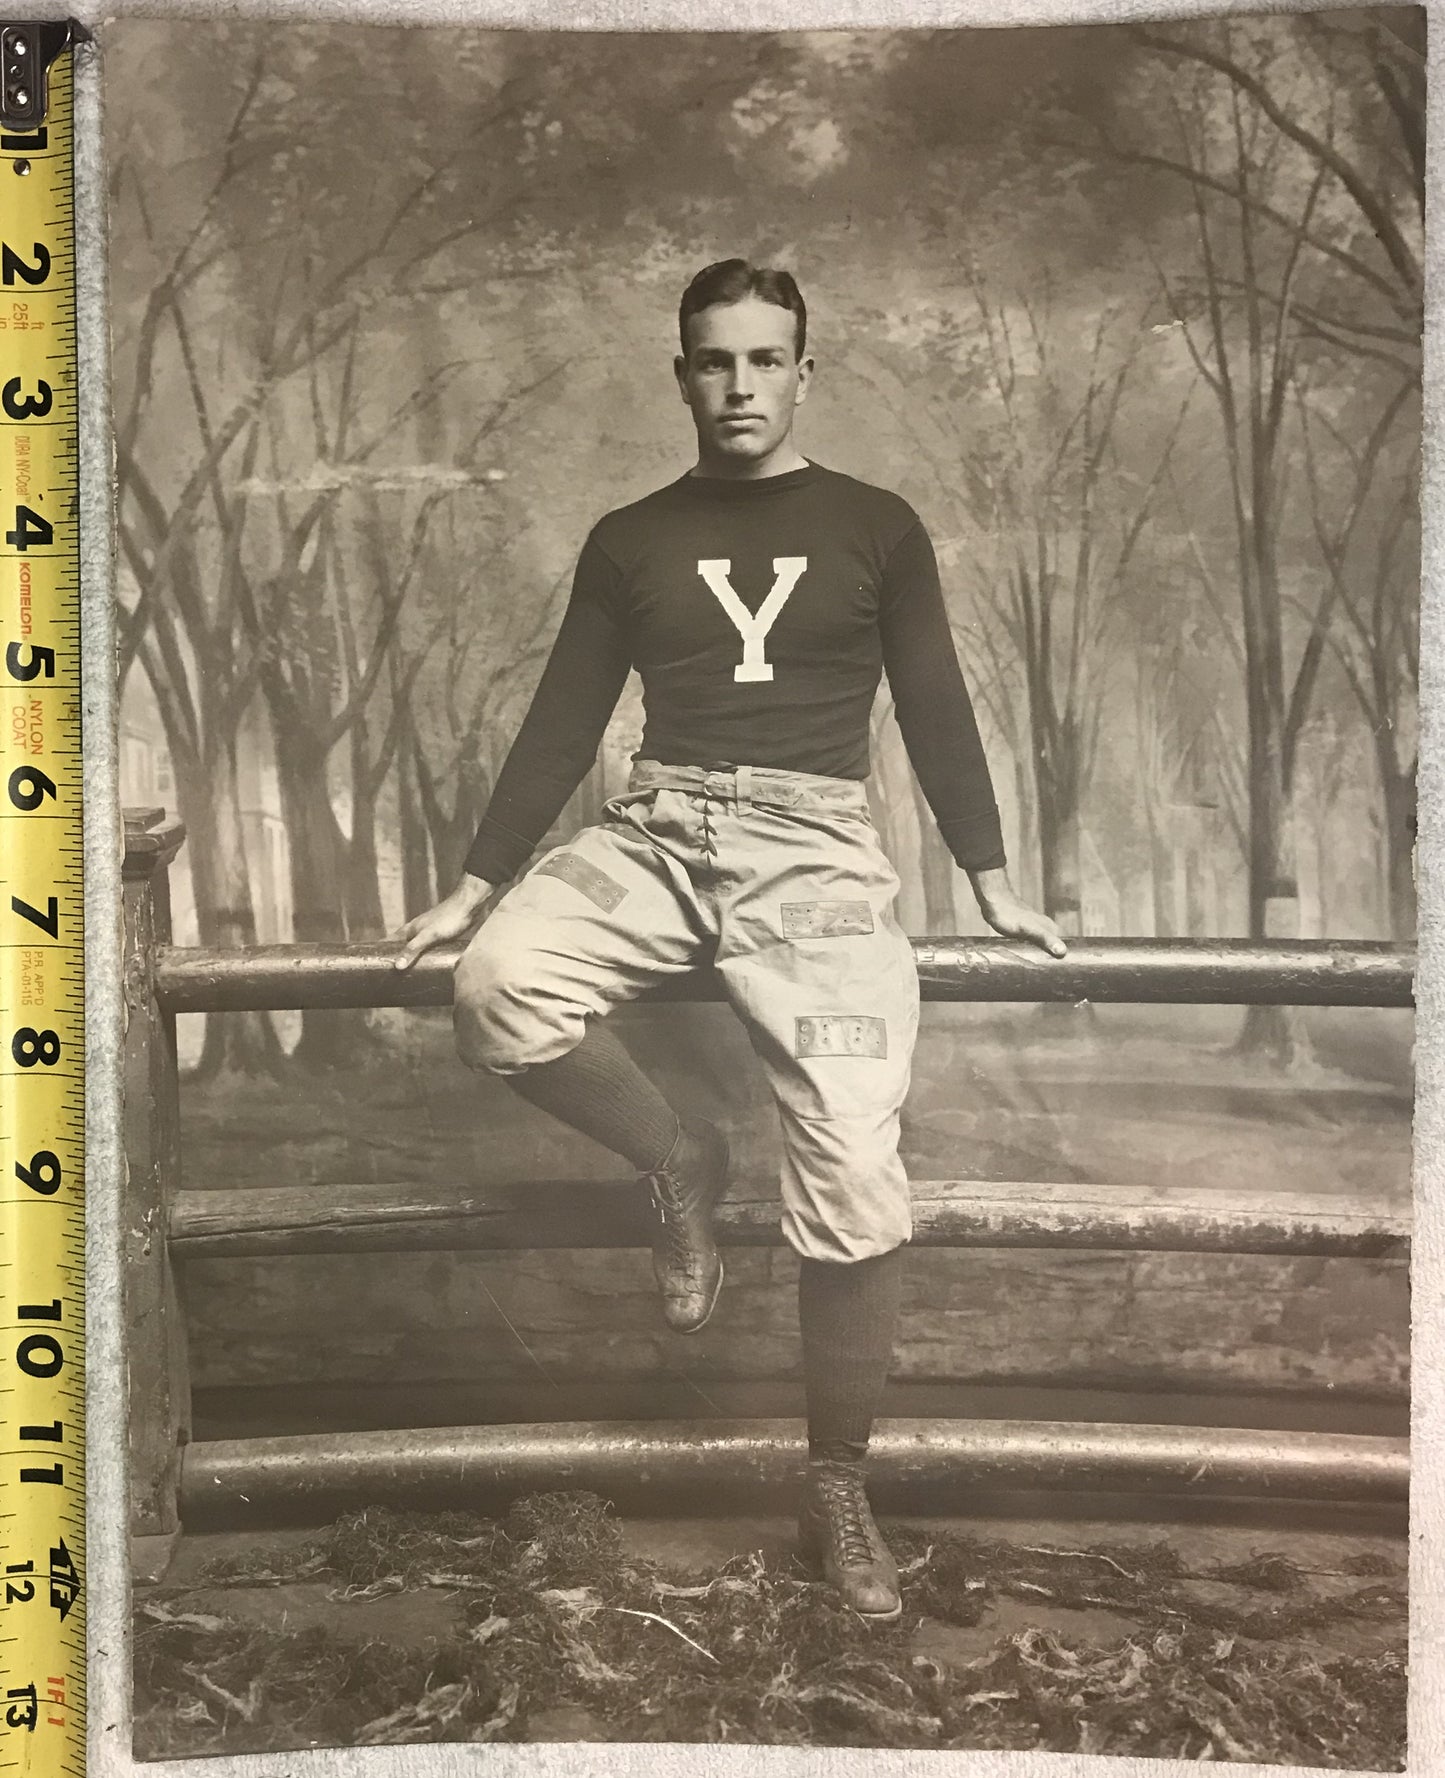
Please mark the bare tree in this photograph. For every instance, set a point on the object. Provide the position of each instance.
(418, 879)
(1066, 518)
(1327, 744)
(1170, 738)
(1368, 537)
(374, 747)
(323, 637)
(1250, 372)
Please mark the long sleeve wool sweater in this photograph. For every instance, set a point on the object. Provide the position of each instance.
(760, 615)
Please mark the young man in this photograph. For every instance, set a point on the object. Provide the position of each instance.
(759, 596)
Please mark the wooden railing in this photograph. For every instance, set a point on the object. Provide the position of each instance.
(167, 1224)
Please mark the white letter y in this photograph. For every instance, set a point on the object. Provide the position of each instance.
(787, 572)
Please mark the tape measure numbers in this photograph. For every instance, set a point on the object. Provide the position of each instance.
(42, 1026)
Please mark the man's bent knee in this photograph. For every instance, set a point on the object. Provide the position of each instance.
(502, 1024)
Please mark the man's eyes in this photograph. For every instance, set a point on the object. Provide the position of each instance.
(763, 361)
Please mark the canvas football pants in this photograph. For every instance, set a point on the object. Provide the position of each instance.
(780, 879)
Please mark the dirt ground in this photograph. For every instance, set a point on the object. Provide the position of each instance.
(1241, 1643)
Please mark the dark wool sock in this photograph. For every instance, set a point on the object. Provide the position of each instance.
(849, 1318)
(598, 1089)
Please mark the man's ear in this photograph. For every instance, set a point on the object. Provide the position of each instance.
(679, 370)
(805, 377)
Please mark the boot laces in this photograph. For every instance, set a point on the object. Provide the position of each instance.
(849, 1517)
(667, 1198)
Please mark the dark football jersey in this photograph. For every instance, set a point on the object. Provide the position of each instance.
(760, 616)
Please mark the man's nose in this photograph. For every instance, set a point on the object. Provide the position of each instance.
(740, 383)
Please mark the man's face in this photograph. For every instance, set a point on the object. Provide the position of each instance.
(741, 379)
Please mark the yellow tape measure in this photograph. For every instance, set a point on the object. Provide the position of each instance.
(42, 1023)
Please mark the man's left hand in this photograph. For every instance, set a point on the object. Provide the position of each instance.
(1012, 918)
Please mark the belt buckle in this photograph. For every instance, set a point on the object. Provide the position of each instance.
(720, 781)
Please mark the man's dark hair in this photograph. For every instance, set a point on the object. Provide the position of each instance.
(732, 280)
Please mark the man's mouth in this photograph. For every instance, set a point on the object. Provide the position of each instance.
(742, 419)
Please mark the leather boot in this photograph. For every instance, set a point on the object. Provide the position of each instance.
(686, 1189)
(838, 1540)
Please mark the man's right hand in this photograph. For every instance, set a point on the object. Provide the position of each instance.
(453, 918)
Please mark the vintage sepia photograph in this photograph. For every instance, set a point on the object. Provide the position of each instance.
(768, 737)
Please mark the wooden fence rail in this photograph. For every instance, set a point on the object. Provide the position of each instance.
(1220, 972)
(247, 1222)
(944, 1462)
